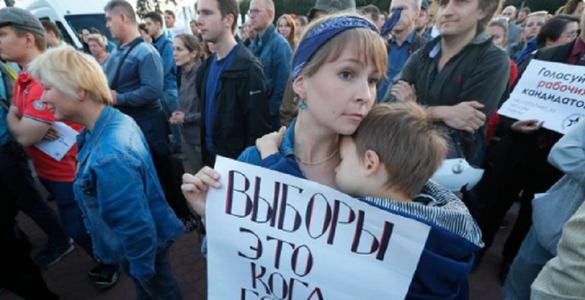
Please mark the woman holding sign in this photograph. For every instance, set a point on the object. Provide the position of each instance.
(335, 70)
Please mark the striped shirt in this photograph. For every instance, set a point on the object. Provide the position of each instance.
(439, 206)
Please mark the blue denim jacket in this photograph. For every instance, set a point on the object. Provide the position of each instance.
(120, 196)
(275, 54)
(140, 83)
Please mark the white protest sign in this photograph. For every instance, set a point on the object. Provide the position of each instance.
(549, 92)
(59, 147)
(275, 236)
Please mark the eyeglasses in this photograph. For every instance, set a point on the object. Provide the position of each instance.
(253, 12)
(571, 35)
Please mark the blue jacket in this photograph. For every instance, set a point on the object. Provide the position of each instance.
(164, 46)
(275, 54)
(120, 196)
(448, 256)
(530, 48)
(140, 84)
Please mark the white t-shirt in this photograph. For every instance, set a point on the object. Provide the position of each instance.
(171, 33)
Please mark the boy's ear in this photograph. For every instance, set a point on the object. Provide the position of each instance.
(371, 162)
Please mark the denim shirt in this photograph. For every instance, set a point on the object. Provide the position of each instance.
(275, 54)
(164, 46)
(140, 83)
(120, 196)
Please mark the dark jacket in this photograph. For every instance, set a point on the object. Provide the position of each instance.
(479, 72)
(514, 145)
(241, 108)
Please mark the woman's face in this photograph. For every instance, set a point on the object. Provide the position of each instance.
(497, 33)
(341, 92)
(181, 53)
(95, 48)
(145, 35)
(60, 104)
(533, 25)
(212, 47)
(85, 34)
(283, 28)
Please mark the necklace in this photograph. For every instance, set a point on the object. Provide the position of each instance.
(310, 163)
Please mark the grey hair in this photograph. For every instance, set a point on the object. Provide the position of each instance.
(122, 6)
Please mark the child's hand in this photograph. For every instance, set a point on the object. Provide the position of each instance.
(195, 188)
(268, 144)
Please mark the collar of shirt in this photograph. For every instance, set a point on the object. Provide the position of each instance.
(24, 77)
(434, 46)
(87, 138)
(578, 51)
(262, 40)
(408, 41)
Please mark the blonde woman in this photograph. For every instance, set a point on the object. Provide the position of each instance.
(287, 28)
(116, 185)
(97, 46)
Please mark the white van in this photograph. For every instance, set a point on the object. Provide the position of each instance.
(71, 16)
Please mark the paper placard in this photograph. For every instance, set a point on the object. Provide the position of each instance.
(59, 147)
(549, 92)
(275, 236)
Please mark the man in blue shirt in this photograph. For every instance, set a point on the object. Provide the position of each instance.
(135, 76)
(405, 40)
(164, 46)
(273, 51)
(231, 86)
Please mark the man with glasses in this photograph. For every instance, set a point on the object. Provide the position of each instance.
(273, 51)
(230, 84)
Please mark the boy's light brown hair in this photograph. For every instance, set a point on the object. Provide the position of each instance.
(407, 142)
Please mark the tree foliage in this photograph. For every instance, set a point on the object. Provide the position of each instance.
(145, 6)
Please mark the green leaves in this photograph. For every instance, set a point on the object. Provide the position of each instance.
(145, 6)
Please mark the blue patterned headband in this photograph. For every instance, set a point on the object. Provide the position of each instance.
(329, 29)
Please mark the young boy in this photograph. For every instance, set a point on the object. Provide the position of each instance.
(387, 163)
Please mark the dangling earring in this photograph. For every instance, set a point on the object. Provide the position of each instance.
(303, 105)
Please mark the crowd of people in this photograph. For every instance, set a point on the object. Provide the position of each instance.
(367, 101)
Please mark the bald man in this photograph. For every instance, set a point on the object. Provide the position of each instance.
(273, 51)
(514, 31)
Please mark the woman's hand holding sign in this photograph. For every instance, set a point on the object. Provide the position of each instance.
(195, 188)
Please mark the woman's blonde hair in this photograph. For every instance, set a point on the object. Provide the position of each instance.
(70, 71)
(98, 38)
(371, 46)
(292, 37)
